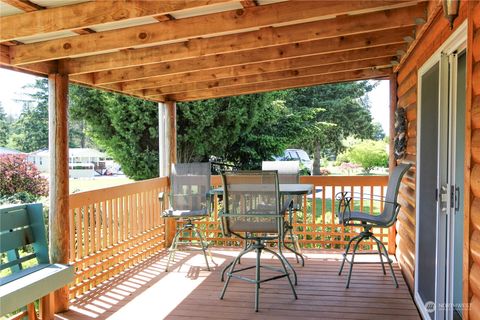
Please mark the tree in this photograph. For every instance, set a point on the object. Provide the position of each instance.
(369, 154)
(4, 127)
(126, 127)
(30, 131)
(243, 130)
(342, 112)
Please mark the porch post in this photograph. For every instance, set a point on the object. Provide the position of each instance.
(163, 153)
(59, 194)
(168, 151)
(392, 232)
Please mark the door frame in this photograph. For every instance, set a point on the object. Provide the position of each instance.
(457, 41)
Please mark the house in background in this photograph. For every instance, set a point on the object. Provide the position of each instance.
(4, 150)
(83, 162)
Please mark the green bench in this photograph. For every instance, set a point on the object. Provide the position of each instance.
(22, 225)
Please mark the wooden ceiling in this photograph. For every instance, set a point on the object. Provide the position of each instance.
(186, 50)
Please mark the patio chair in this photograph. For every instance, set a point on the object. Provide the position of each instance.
(367, 221)
(288, 173)
(253, 212)
(189, 201)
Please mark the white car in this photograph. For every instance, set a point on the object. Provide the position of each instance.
(297, 154)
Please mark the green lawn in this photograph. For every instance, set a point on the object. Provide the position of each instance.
(87, 184)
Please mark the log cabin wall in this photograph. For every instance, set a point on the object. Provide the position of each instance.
(471, 276)
(434, 34)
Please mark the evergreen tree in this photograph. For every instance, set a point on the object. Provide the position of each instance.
(4, 127)
(30, 131)
(341, 111)
(125, 127)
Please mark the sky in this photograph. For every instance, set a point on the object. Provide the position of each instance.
(12, 83)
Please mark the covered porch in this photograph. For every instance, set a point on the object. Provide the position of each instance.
(183, 51)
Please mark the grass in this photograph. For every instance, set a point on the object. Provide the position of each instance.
(87, 184)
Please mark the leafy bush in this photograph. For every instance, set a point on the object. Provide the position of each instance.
(348, 167)
(20, 181)
(324, 172)
(369, 154)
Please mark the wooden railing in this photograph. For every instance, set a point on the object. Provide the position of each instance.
(113, 228)
(316, 225)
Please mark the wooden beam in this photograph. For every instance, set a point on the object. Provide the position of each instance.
(59, 194)
(86, 15)
(391, 151)
(389, 20)
(331, 45)
(38, 69)
(183, 29)
(23, 5)
(377, 63)
(278, 85)
(240, 58)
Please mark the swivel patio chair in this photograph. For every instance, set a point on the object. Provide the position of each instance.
(288, 173)
(253, 212)
(189, 201)
(367, 221)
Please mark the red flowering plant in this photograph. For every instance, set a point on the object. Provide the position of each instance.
(20, 180)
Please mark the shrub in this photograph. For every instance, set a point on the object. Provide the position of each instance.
(324, 172)
(369, 154)
(20, 181)
(348, 167)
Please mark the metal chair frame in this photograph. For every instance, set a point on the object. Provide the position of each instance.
(256, 243)
(367, 222)
(189, 225)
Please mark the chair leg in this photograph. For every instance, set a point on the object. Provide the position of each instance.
(173, 247)
(279, 257)
(233, 264)
(380, 255)
(353, 260)
(257, 278)
(204, 248)
(346, 252)
(287, 262)
(296, 246)
(389, 261)
(222, 278)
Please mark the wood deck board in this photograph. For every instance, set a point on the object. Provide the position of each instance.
(190, 291)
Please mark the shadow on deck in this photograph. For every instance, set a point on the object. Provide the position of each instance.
(190, 291)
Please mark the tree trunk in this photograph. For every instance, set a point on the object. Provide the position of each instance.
(316, 160)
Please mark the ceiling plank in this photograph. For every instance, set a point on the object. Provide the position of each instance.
(377, 63)
(87, 14)
(341, 26)
(183, 29)
(278, 85)
(23, 5)
(246, 57)
(243, 70)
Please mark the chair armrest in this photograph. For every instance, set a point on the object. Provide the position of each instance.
(343, 206)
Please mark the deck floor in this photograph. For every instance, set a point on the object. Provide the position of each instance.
(190, 291)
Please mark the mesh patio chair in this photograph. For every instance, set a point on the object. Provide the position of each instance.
(189, 201)
(253, 212)
(367, 221)
(288, 173)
